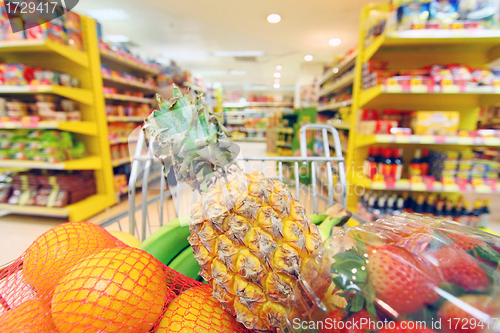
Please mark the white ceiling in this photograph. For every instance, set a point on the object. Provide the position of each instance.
(158, 26)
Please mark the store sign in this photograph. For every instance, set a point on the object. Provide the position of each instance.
(28, 14)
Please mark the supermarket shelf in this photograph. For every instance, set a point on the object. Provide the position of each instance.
(125, 118)
(82, 127)
(120, 97)
(477, 40)
(338, 85)
(420, 98)
(121, 82)
(333, 106)
(86, 163)
(122, 140)
(254, 111)
(406, 185)
(253, 130)
(112, 57)
(33, 46)
(366, 140)
(247, 104)
(120, 161)
(251, 140)
(80, 95)
(347, 63)
(339, 125)
(76, 212)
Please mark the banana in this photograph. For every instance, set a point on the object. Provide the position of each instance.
(168, 241)
(317, 218)
(186, 264)
(326, 227)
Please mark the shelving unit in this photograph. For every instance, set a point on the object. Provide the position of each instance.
(414, 49)
(92, 130)
(123, 64)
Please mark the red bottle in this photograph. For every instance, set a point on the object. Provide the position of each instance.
(425, 162)
(385, 164)
(370, 165)
(397, 163)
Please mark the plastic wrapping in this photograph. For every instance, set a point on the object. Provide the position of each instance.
(409, 272)
(79, 278)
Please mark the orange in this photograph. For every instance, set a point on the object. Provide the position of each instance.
(114, 290)
(60, 248)
(29, 317)
(196, 310)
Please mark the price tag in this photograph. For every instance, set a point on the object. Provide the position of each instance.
(424, 139)
(392, 86)
(482, 189)
(464, 141)
(419, 89)
(449, 89)
(419, 187)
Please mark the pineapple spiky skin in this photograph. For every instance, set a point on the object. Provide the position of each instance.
(252, 241)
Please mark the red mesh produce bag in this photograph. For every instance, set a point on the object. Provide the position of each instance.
(78, 278)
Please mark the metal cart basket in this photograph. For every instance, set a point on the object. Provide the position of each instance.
(326, 174)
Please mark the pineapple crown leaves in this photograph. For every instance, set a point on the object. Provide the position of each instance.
(189, 138)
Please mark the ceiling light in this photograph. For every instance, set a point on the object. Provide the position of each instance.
(273, 18)
(115, 39)
(308, 57)
(334, 42)
(276, 85)
(108, 14)
(277, 75)
(279, 67)
(238, 72)
(239, 53)
(335, 70)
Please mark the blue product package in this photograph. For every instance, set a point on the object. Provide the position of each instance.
(444, 10)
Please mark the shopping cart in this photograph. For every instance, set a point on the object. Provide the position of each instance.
(316, 196)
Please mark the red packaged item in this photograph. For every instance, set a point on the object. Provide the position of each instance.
(73, 22)
(384, 126)
(370, 164)
(397, 164)
(385, 165)
(75, 40)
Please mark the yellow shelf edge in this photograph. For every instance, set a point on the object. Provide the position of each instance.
(124, 118)
(78, 94)
(119, 97)
(82, 127)
(111, 56)
(337, 86)
(120, 161)
(35, 210)
(128, 83)
(45, 45)
(86, 163)
(364, 140)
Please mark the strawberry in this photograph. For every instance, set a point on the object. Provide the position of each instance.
(467, 243)
(402, 284)
(459, 267)
(455, 320)
(405, 326)
(330, 324)
(359, 322)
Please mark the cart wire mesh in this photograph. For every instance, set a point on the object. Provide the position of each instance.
(317, 181)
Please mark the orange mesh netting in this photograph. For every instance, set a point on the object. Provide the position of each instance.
(78, 278)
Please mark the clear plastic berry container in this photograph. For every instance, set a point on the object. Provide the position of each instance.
(408, 273)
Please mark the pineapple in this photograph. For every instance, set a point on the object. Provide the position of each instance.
(250, 237)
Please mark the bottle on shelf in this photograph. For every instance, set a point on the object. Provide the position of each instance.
(397, 163)
(419, 205)
(391, 205)
(372, 206)
(425, 162)
(439, 208)
(407, 203)
(458, 210)
(380, 210)
(370, 164)
(385, 164)
(466, 213)
(430, 205)
(400, 203)
(416, 164)
(449, 209)
(485, 214)
(475, 215)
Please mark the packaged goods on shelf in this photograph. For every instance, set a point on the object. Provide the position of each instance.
(373, 206)
(121, 51)
(40, 145)
(462, 166)
(120, 151)
(55, 189)
(128, 110)
(384, 164)
(107, 72)
(121, 130)
(435, 122)
(115, 91)
(46, 108)
(14, 74)
(64, 29)
(435, 78)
